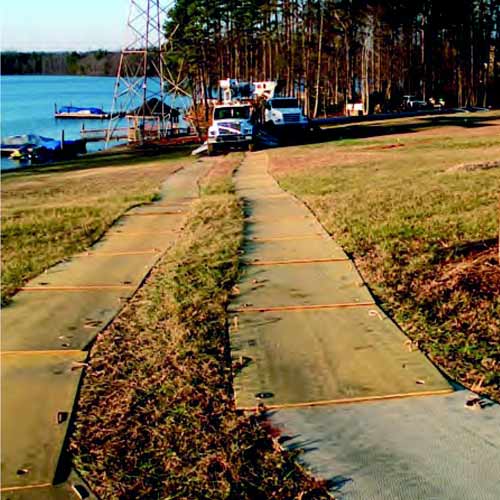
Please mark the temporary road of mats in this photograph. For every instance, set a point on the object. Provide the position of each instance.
(336, 375)
(49, 326)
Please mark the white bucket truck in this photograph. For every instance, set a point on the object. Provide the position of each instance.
(282, 111)
(231, 127)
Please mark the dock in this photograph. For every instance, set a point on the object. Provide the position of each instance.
(176, 135)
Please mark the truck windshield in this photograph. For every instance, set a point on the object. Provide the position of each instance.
(284, 103)
(231, 112)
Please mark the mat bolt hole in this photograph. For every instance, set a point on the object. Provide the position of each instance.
(62, 416)
(264, 395)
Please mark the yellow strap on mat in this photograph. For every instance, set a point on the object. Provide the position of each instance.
(293, 261)
(27, 487)
(76, 288)
(299, 308)
(366, 399)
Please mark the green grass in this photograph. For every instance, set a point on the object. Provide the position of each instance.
(424, 236)
(50, 215)
(156, 417)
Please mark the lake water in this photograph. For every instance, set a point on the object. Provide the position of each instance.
(27, 105)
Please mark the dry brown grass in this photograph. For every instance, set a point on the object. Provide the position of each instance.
(219, 177)
(423, 233)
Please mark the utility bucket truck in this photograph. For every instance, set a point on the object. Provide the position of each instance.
(231, 127)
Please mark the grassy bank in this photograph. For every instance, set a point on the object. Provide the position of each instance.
(52, 214)
(418, 209)
(156, 417)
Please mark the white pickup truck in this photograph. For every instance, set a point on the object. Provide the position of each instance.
(284, 111)
(231, 127)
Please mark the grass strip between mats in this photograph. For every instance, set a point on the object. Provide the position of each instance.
(156, 418)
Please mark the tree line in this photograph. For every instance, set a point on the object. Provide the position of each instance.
(333, 52)
(94, 63)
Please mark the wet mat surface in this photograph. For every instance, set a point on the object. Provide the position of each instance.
(63, 310)
(292, 341)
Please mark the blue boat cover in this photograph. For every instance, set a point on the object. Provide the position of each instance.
(75, 109)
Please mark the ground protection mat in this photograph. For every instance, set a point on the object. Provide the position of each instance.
(280, 228)
(413, 448)
(98, 270)
(299, 284)
(74, 488)
(61, 312)
(325, 356)
(259, 251)
(304, 327)
(58, 319)
(37, 401)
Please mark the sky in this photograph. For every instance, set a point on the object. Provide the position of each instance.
(57, 25)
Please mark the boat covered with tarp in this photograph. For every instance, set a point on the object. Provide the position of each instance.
(80, 112)
(32, 146)
(16, 142)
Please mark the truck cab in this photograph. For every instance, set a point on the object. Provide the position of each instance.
(282, 111)
(231, 127)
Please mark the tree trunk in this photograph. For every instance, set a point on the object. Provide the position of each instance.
(318, 69)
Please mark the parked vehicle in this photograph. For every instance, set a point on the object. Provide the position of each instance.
(436, 103)
(410, 102)
(231, 127)
(281, 111)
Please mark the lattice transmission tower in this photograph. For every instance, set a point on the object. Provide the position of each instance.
(144, 83)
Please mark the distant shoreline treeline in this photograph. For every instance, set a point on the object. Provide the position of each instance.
(94, 63)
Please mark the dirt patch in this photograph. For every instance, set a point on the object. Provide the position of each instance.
(218, 179)
(386, 146)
